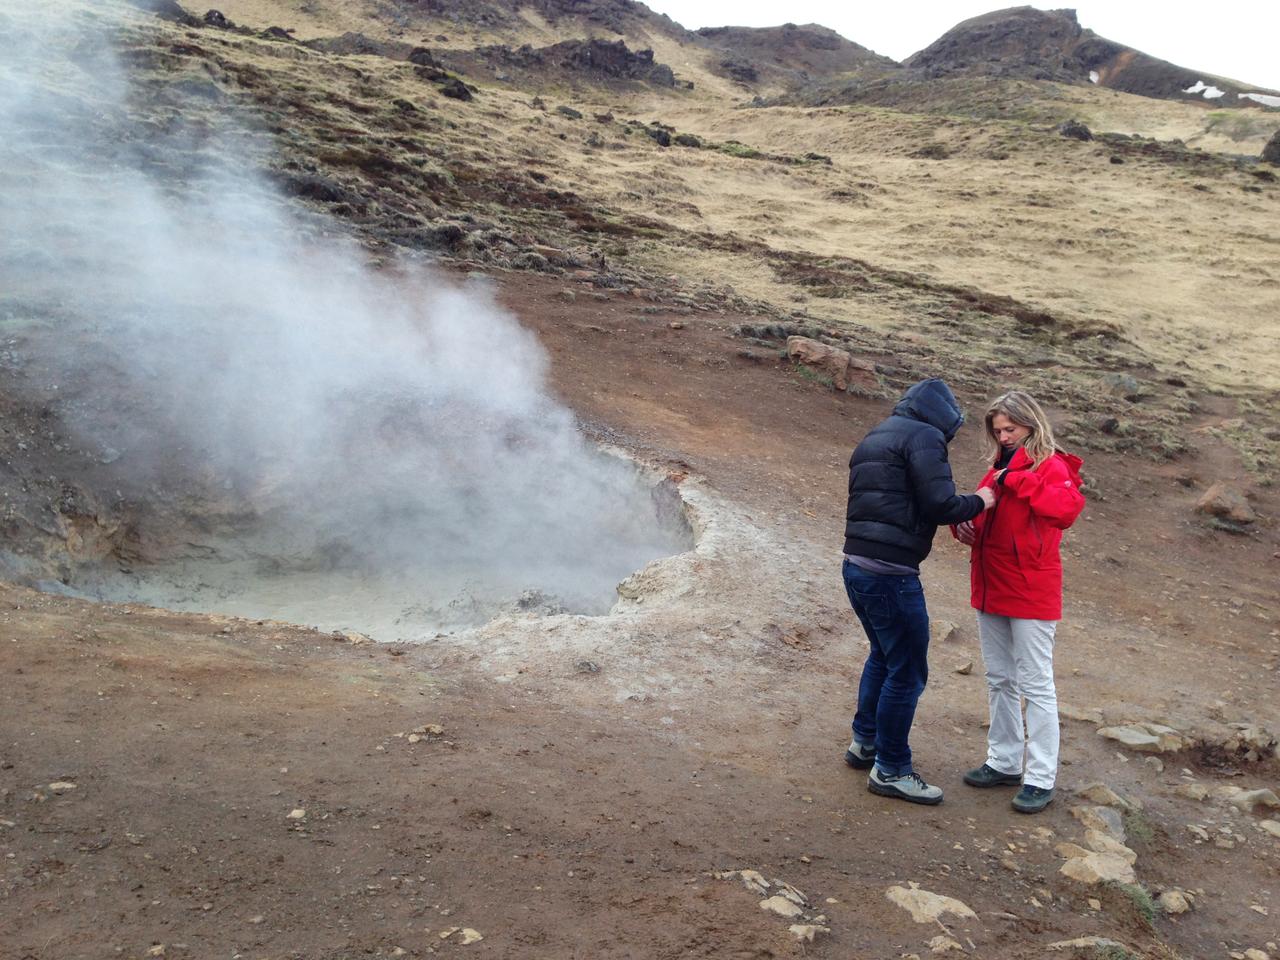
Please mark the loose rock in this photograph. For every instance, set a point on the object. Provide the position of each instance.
(781, 906)
(1146, 737)
(925, 906)
(1173, 901)
(1248, 800)
(841, 366)
(806, 932)
(1094, 868)
(1104, 796)
(1226, 503)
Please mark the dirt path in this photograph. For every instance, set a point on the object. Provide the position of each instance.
(564, 811)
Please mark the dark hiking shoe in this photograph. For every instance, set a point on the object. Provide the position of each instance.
(1032, 799)
(860, 757)
(909, 786)
(986, 776)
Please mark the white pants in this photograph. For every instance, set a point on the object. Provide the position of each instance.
(1018, 655)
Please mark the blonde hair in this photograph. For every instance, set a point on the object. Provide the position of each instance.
(1023, 410)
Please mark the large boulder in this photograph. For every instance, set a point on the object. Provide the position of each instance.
(844, 369)
(1271, 152)
(1074, 130)
(1226, 503)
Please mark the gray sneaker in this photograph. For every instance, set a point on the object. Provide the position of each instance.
(909, 786)
(859, 757)
(1032, 799)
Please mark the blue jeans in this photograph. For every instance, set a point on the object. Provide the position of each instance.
(893, 613)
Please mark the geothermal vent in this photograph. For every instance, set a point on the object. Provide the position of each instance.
(238, 415)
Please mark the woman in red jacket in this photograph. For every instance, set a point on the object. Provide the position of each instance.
(1016, 578)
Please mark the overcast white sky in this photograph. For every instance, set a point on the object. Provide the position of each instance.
(1238, 40)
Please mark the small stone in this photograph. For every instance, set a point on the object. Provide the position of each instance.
(943, 944)
(965, 668)
(1226, 503)
(1173, 901)
(1083, 714)
(1095, 904)
(1100, 842)
(1145, 737)
(1253, 953)
(414, 738)
(1103, 819)
(781, 906)
(1271, 826)
(156, 951)
(297, 813)
(754, 881)
(943, 631)
(806, 932)
(1197, 831)
(257, 920)
(1192, 791)
(925, 906)
(1104, 796)
(470, 936)
(676, 324)
(1099, 868)
(1244, 801)
(61, 786)
(1088, 943)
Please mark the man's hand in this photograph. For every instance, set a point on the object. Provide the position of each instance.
(966, 533)
(999, 477)
(988, 497)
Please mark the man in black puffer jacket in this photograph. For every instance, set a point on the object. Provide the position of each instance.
(900, 491)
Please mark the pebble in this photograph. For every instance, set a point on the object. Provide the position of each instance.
(781, 906)
(807, 931)
(297, 813)
(1174, 901)
(965, 668)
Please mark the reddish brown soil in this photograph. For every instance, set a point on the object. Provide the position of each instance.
(560, 830)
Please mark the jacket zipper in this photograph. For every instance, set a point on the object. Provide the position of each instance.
(982, 560)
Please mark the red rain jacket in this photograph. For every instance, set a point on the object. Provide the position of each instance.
(1015, 569)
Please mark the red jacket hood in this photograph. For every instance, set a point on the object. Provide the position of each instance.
(1022, 461)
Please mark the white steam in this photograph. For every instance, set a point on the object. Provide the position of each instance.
(194, 330)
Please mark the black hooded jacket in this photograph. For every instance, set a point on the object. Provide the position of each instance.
(900, 486)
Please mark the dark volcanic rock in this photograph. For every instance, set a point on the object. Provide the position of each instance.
(740, 70)
(216, 18)
(357, 44)
(1074, 130)
(455, 89)
(1021, 42)
(167, 10)
(1271, 152)
(1030, 44)
(660, 136)
(790, 53)
(601, 60)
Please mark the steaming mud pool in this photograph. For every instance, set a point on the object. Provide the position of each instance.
(267, 574)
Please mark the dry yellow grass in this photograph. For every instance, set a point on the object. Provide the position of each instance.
(1185, 261)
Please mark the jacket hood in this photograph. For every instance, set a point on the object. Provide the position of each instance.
(1021, 460)
(1073, 463)
(931, 401)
